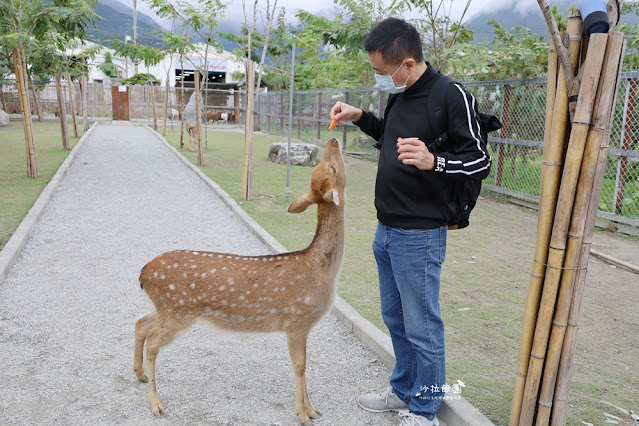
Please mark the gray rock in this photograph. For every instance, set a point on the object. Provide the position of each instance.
(301, 153)
(4, 118)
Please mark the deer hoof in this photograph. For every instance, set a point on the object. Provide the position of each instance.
(315, 415)
(158, 413)
(144, 379)
(308, 422)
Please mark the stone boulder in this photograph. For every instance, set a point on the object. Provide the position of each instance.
(4, 118)
(303, 154)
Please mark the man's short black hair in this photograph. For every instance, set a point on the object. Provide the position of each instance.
(395, 39)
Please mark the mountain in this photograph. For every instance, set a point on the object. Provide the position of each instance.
(531, 18)
(117, 21)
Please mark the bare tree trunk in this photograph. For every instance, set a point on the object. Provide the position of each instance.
(62, 113)
(153, 112)
(85, 108)
(35, 99)
(20, 69)
(166, 105)
(72, 105)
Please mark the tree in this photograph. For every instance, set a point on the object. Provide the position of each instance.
(441, 32)
(631, 61)
(23, 23)
(108, 67)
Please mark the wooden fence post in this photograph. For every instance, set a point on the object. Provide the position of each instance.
(504, 132)
(319, 116)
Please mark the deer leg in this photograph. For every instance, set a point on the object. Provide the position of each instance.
(297, 351)
(160, 335)
(142, 328)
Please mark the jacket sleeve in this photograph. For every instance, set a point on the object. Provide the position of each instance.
(468, 156)
(371, 125)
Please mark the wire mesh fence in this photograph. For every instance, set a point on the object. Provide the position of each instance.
(516, 149)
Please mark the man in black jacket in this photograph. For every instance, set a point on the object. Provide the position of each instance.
(415, 199)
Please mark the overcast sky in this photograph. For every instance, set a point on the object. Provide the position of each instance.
(324, 7)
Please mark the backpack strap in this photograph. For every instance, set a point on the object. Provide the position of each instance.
(437, 104)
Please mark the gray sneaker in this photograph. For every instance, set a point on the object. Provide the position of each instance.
(384, 401)
(411, 419)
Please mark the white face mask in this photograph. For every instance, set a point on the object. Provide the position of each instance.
(386, 83)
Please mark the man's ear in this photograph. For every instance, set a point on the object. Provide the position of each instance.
(300, 204)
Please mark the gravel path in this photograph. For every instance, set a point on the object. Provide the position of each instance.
(69, 304)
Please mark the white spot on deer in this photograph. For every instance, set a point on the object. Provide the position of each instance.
(223, 302)
(224, 268)
(213, 298)
(298, 276)
(213, 270)
(242, 297)
(233, 305)
(229, 257)
(220, 255)
(272, 310)
(307, 300)
(263, 259)
(283, 289)
(256, 285)
(175, 265)
(208, 311)
(168, 267)
(162, 276)
(196, 274)
(203, 275)
(248, 292)
(194, 266)
(171, 287)
(196, 253)
(270, 259)
(181, 302)
(279, 257)
(275, 290)
(222, 287)
(231, 281)
(192, 285)
(231, 288)
(155, 275)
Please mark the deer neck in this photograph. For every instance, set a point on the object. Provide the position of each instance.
(328, 243)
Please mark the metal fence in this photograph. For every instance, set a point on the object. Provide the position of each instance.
(516, 149)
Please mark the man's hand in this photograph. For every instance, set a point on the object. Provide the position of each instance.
(413, 152)
(344, 112)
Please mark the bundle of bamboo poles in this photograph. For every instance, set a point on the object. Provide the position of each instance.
(572, 174)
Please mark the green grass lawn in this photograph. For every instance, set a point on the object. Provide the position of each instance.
(17, 191)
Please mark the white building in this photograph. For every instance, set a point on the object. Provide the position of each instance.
(221, 66)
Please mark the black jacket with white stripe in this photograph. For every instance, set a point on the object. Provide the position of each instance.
(405, 196)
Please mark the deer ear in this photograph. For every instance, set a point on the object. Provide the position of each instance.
(300, 204)
(331, 196)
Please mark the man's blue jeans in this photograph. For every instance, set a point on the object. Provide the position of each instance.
(409, 263)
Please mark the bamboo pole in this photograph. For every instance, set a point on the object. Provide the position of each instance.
(153, 111)
(62, 113)
(20, 68)
(603, 101)
(565, 201)
(35, 99)
(72, 105)
(247, 177)
(564, 373)
(198, 115)
(551, 173)
(166, 105)
(85, 107)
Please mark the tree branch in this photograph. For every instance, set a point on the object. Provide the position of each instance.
(562, 51)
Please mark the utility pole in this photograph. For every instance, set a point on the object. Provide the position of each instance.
(135, 34)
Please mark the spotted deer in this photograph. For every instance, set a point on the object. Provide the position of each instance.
(287, 292)
(191, 128)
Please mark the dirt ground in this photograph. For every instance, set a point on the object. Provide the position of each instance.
(484, 287)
